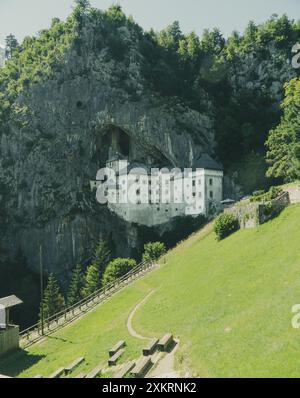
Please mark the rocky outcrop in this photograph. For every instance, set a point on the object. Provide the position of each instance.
(58, 140)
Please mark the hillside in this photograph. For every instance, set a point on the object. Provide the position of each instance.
(171, 97)
(229, 303)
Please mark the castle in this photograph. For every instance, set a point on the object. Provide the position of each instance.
(152, 197)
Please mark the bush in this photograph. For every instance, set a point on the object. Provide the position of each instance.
(225, 225)
(117, 268)
(261, 196)
(153, 251)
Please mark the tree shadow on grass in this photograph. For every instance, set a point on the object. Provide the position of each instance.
(14, 364)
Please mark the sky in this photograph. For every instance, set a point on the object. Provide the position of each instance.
(27, 17)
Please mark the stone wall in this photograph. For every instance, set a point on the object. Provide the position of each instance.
(250, 215)
(9, 340)
(294, 193)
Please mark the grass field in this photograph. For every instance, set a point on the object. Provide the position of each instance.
(229, 303)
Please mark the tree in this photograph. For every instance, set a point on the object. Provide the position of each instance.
(170, 37)
(94, 274)
(101, 257)
(283, 143)
(11, 45)
(76, 286)
(83, 4)
(53, 301)
(92, 281)
(212, 42)
(153, 251)
(80, 10)
(117, 268)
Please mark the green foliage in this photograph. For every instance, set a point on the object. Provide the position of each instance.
(283, 142)
(53, 301)
(225, 225)
(11, 45)
(117, 268)
(92, 281)
(153, 251)
(95, 271)
(75, 293)
(101, 257)
(261, 196)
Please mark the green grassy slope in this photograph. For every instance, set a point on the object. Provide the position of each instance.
(229, 303)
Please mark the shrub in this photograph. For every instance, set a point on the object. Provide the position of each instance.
(225, 225)
(153, 251)
(261, 196)
(117, 268)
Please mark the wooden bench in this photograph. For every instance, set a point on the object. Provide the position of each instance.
(57, 373)
(74, 365)
(121, 344)
(150, 348)
(113, 360)
(165, 342)
(125, 370)
(95, 372)
(81, 376)
(141, 367)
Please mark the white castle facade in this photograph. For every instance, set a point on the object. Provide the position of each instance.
(151, 197)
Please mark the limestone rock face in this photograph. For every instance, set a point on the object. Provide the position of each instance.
(62, 132)
(60, 137)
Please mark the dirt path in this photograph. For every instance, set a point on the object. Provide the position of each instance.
(130, 328)
(164, 363)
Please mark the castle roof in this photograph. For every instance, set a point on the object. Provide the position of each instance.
(207, 162)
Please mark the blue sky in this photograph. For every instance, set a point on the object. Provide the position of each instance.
(27, 17)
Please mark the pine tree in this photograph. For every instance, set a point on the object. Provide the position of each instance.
(92, 281)
(11, 45)
(53, 301)
(76, 286)
(93, 278)
(101, 257)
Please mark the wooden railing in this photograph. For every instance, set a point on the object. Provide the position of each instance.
(36, 332)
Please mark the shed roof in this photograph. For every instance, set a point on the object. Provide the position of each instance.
(10, 301)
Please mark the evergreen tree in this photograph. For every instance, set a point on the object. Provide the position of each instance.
(92, 281)
(93, 278)
(101, 257)
(76, 286)
(11, 45)
(53, 301)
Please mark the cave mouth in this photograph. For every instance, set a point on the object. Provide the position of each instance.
(114, 140)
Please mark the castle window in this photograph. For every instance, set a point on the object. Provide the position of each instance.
(210, 181)
(194, 183)
(138, 192)
(211, 194)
